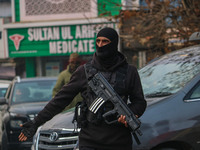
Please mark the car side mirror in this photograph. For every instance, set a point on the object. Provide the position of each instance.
(3, 101)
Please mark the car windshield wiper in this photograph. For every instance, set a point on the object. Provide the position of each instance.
(159, 94)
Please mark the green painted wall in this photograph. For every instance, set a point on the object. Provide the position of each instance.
(17, 11)
(109, 7)
(30, 67)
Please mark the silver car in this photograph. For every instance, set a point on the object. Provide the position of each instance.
(58, 133)
(3, 87)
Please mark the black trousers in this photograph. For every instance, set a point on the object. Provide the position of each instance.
(86, 148)
(89, 148)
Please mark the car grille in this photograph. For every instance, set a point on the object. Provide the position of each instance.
(59, 139)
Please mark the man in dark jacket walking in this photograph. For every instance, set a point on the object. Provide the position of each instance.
(95, 133)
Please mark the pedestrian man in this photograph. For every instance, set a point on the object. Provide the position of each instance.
(64, 78)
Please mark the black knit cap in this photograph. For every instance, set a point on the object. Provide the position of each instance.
(109, 33)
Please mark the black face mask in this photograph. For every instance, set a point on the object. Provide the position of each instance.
(107, 51)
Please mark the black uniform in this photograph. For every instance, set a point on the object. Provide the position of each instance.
(112, 136)
(111, 63)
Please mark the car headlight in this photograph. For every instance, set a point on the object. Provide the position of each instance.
(15, 123)
(16, 120)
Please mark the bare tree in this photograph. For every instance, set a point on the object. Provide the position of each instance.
(162, 25)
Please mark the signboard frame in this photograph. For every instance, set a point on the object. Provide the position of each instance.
(52, 38)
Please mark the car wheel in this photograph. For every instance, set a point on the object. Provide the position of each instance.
(4, 141)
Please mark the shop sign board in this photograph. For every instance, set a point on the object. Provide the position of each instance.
(53, 40)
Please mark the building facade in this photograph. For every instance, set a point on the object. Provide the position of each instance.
(43, 33)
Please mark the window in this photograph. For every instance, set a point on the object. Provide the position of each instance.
(169, 74)
(33, 91)
(56, 9)
(194, 94)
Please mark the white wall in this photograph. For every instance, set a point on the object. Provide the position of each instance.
(5, 9)
(5, 12)
(3, 53)
(130, 4)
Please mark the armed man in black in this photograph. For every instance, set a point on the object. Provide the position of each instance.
(95, 133)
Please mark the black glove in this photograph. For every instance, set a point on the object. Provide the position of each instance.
(29, 129)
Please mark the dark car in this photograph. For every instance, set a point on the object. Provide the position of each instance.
(171, 121)
(172, 88)
(23, 100)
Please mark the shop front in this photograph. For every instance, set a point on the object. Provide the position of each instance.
(45, 47)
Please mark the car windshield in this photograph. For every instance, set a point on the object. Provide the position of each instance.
(170, 73)
(33, 91)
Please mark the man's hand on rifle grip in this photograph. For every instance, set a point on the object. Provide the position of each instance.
(122, 119)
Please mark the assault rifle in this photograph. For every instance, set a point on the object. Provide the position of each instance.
(105, 92)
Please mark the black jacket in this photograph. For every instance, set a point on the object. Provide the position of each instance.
(103, 136)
